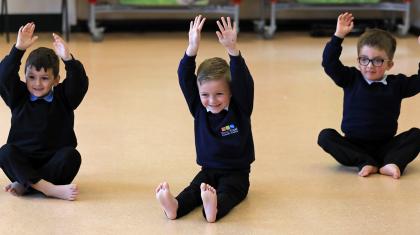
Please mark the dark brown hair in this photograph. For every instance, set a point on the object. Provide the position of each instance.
(43, 57)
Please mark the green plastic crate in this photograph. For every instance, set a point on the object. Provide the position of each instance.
(338, 1)
(165, 2)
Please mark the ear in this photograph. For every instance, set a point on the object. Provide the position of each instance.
(57, 80)
(390, 65)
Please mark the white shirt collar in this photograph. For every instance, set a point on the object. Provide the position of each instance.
(383, 81)
(226, 108)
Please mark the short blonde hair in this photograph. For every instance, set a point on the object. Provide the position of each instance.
(213, 69)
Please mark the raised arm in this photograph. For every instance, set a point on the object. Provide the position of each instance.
(411, 85)
(26, 37)
(344, 25)
(242, 84)
(11, 88)
(194, 35)
(227, 35)
(341, 74)
(76, 83)
(186, 69)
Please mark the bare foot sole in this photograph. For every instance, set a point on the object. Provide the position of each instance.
(166, 200)
(391, 170)
(66, 192)
(209, 197)
(15, 189)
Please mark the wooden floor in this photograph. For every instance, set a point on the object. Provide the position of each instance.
(134, 131)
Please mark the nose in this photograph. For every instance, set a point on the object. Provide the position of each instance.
(37, 82)
(370, 64)
(211, 99)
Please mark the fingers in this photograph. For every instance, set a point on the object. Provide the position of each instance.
(197, 23)
(28, 28)
(58, 41)
(225, 25)
(220, 26)
(219, 35)
(345, 17)
(200, 26)
(33, 39)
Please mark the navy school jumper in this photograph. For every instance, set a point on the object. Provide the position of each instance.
(39, 129)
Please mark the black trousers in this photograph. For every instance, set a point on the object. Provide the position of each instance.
(399, 150)
(59, 168)
(231, 188)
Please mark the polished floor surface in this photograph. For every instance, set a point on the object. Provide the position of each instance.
(134, 131)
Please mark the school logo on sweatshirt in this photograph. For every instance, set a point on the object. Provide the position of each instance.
(228, 130)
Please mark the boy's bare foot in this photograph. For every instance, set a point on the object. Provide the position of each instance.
(166, 200)
(66, 192)
(15, 189)
(391, 170)
(209, 197)
(368, 170)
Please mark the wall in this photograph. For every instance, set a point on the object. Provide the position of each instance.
(415, 13)
(42, 7)
(250, 9)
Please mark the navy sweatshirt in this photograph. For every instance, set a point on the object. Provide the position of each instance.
(223, 140)
(370, 112)
(38, 127)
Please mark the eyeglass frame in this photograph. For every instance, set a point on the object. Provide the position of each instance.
(372, 61)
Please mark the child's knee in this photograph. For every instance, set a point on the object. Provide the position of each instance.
(70, 155)
(6, 152)
(325, 135)
(416, 132)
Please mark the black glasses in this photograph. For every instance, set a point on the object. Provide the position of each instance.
(377, 62)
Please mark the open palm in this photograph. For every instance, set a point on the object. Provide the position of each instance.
(26, 37)
(194, 35)
(344, 24)
(227, 34)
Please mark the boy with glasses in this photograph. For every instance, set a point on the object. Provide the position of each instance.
(372, 102)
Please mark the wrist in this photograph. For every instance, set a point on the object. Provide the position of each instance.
(68, 57)
(233, 51)
(340, 35)
(19, 47)
(191, 51)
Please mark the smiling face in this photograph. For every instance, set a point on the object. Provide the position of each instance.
(370, 71)
(214, 95)
(40, 82)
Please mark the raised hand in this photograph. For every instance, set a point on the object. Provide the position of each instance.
(194, 35)
(227, 35)
(26, 37)
(61, 48)
(344, 24)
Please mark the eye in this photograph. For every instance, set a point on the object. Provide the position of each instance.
(378, 61)
(219, 94)
(30, 77)
(204, 95)
(364, 60)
